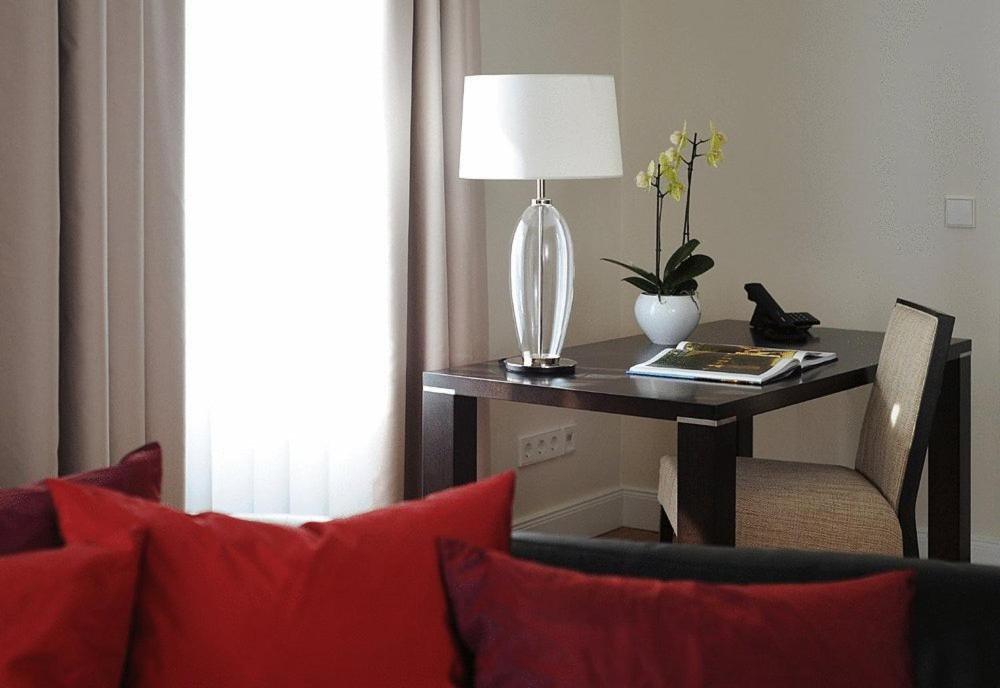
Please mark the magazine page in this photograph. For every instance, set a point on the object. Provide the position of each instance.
(729, 348)
(736, 361)
(806, 358)
(728, 363)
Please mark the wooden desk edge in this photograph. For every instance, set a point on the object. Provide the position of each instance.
(452, 381)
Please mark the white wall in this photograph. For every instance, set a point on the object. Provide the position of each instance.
(848, 123)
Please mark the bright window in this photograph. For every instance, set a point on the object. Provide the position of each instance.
(289, 292)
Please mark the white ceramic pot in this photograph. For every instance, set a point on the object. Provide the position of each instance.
(667, 320)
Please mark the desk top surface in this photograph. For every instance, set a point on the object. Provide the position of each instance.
(600, 382)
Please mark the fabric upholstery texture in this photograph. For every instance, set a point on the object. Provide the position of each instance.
(91, 191)
(28, 518)
(65, 615)
(802, 506)
(955, 637)
(533, 625)
(225, 602)
(891, 415)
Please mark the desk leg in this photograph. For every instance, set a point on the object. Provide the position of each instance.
(706, 481)
(745, 440)
(948, 466)
(449, 441)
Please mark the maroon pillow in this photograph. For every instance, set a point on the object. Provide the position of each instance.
(28, 518)
(533, 625)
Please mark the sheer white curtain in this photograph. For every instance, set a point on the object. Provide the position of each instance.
(295, 243)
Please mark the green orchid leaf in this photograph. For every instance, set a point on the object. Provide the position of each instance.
(645, 274)
(644, 285)
(685, 288)
(679, 256)
(688, 270)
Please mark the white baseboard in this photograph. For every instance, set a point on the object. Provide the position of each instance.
(630, 507)
(586, 517)
(640, 509)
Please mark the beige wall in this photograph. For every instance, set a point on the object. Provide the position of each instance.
(848, 123)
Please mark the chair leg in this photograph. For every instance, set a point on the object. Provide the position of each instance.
(908, 524)
(666, 529)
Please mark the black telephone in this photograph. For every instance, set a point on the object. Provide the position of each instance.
(774, 323)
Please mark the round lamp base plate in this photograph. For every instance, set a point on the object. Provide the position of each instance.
(564, 366)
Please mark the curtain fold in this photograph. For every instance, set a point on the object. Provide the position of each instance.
(91, 228)
(447, 309)
(29, 241)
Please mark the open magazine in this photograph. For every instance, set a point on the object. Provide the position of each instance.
(729, 363)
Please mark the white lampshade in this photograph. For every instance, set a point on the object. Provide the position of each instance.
(540, 126)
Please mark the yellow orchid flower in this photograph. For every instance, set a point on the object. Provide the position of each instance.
(676, 190)
(718, 138)
(679, 138)
(669, 158)
(714, 156)
(642, 180)
(651, 168)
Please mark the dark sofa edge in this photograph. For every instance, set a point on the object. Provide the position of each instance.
(722, 564)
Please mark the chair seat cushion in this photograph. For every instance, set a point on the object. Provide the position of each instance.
(786, 504)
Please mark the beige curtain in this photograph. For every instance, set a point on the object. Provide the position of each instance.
(446, 285)
(91, 249)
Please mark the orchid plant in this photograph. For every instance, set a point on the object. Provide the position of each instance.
(663, 175)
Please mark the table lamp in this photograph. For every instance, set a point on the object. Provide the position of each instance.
(540, 127)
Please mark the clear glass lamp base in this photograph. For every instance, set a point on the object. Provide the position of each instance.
(541, 289)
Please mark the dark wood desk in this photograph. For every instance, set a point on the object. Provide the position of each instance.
(715, 421)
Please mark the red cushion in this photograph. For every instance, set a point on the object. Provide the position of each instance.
(65, 616)
(354, 602)
(28, 521)
(533, 625)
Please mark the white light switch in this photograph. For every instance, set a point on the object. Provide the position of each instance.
(959, 211)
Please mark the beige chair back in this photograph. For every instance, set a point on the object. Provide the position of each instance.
(900, 408)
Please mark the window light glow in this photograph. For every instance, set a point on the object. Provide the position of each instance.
(289, 291)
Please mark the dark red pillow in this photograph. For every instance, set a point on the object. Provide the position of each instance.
(28, 520)
(533, 625)
(226, 603)
(65, 616)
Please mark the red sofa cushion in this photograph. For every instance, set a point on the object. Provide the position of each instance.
(533, 625)
(354, 602)
(65, 616)
(28, 521)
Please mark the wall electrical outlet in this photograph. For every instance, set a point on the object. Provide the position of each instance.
(569, 437)
(546, 445)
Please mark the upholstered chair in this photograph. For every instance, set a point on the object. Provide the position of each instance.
(868, 508)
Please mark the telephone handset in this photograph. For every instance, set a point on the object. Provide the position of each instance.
(772, 321)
